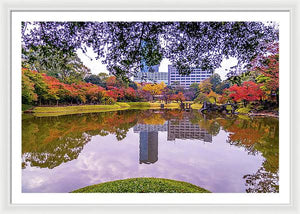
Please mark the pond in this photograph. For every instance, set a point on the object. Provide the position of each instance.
(221, 153)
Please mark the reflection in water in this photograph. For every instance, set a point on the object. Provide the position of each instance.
(184, 129)
(262, 181)
(221, 166)
(148, 147)
(149, 141)
(50, 141)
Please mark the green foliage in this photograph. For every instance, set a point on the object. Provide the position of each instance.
(219, 89)
(244, 77)
(264, 80)
(37, 80)
(63, 65)
(26, 107)
(228, 108)
(205, 86)
(143, 185)
(94, 79)
(211, 100)
(194, 86)
(28, 90)
(201, 98)
(215, 80)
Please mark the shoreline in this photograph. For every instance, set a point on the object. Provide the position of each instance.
(48, 111)
(264, 114)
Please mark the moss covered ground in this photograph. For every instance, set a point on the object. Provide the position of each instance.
(143, 185)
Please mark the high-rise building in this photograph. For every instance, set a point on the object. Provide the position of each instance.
(152, 77)
(150, 73)
(196, 76)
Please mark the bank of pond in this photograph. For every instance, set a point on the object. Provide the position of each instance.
(80, 109)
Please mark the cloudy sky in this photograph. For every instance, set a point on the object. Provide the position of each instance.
(96, 66)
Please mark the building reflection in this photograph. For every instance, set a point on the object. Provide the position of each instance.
(148, 128)
(148, 147)
(184, 129)
(177, 129)
(149, 141)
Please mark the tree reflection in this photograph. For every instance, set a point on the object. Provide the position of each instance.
(206, 122)
(262, 181)
(259, 135)
(50, 141)
(59, 151)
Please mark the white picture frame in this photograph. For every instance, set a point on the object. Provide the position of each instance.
(229, 207)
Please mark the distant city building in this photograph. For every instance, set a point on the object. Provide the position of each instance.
(196, 76)
(152, 77)
(184, 129)
(148, 147)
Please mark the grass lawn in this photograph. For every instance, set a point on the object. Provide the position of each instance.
(138, 105)
(142, 185)
(79, 109)
(64, 110)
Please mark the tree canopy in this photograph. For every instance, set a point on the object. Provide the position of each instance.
(125, 46)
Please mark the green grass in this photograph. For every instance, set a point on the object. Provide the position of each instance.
(139, 104)
(80, 109)
(155, 105)
(142, 185)
(172, 105)
(64, 110)
(123, 105)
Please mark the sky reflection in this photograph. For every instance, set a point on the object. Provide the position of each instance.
(209, 161)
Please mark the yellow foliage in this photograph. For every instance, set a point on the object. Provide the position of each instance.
(213, 95)
(154, 89)
(205, 86)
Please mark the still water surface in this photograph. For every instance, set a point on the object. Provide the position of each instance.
(219, 153)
